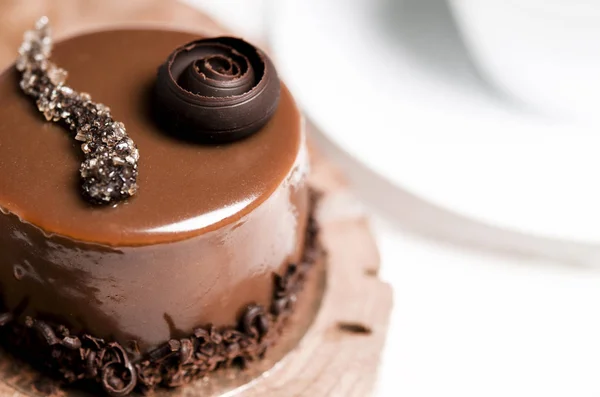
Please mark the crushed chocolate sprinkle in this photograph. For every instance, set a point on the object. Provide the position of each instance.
(110, 167)
(120, 371)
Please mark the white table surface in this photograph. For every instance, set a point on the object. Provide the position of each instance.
(515, 318)
(476, 320)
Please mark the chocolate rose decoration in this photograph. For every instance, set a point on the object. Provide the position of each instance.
(217, 90)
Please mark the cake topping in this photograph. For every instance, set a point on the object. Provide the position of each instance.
(216, 90)
(110, 167)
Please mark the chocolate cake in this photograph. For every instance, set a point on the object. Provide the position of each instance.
(156, 223)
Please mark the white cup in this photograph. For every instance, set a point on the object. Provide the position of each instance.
(545, 53)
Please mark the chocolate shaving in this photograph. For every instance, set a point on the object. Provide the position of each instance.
(71, 342)
(119, 379)
(97, 342)
(91, 364)
(163, 351)
(255, 322)
(354, 328)
(186, 352)
(174, 363)
(44, 330)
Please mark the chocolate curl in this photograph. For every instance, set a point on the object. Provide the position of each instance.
(71, 342)
(255, 321)
(119, 376)
(44, 330)
(165, 350)
(216, 90)
(186, 352)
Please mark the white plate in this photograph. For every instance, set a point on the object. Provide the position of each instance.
(389, 82)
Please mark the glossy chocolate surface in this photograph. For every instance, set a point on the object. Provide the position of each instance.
(201, 239)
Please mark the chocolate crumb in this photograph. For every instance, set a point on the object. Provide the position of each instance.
(354, 328)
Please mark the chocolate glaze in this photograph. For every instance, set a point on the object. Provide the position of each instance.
(199, 242)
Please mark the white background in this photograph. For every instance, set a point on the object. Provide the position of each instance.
(504, 316)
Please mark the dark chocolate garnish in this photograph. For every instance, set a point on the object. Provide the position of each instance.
(216, 90)
(119, 376)
(175, 362)
(71, 342)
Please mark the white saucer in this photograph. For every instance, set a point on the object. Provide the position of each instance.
(390, 82)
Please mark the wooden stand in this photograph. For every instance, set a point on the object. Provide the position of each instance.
(339, 354)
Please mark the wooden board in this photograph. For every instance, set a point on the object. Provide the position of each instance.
(339, 354)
